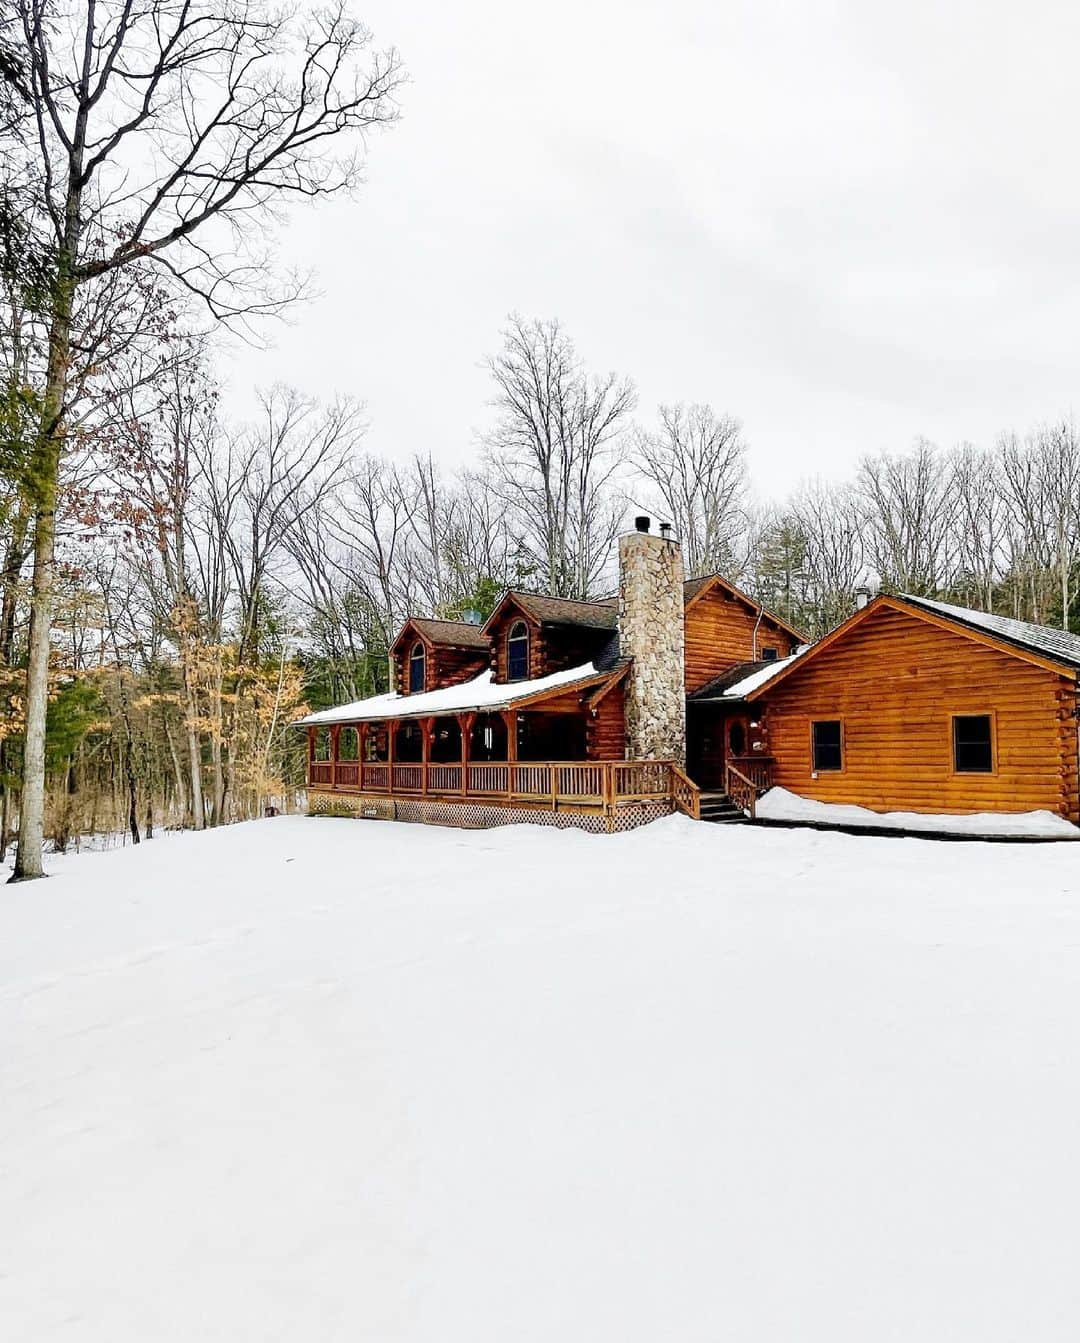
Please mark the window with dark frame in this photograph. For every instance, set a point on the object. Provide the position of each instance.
(416, 669)
(973, 744)
(517, 651)
(828, 744)
(769, 654)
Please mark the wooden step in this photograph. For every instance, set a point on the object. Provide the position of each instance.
(718, 809)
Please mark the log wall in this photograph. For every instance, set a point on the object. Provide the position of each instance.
(606, 729)
(720, 634)
(552, 648)
(895, 682)
(445, 665)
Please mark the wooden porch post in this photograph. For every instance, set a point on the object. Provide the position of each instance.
(426, 725)
(465, 723)
(509, 717)
(361, 751)
(335, 738)
(391, 733)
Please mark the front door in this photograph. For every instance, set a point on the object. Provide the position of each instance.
(705, 733)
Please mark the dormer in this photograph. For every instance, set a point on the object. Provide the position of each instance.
(531, 635)
(431, 654)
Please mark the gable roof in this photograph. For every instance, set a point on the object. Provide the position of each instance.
(694, 588)
(601, 615)
(444, 633)
(1058, 644)
(1031, 643)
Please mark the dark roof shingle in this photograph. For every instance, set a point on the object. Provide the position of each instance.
(450, 633)
(601, 615)
(726, 679)
(1059, 644)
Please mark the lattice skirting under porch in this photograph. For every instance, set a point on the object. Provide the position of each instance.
(481, 815)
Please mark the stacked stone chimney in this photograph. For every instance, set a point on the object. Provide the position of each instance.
(652, 632)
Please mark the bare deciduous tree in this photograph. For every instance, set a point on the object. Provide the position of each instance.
(696, 464)
(162, 131)
(554, 453)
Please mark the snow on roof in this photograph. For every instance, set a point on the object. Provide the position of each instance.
(479, 693)
(1054, 643)
(762, 673)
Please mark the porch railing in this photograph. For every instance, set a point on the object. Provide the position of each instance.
(594, 783)
(746, 778)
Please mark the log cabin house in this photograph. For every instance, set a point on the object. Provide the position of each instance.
(688, 695)
(565, 712)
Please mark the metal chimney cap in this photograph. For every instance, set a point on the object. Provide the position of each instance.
(642, 522)
(665, 529)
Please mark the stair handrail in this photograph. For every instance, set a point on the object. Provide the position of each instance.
(743, 791)
(685, 794)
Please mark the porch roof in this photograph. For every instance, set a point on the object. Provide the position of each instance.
(739, 681)
(479, 695)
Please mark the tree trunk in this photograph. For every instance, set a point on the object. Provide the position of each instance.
(45, 480)
(198, 806)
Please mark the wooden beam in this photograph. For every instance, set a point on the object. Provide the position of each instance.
(426, 725)
(465, 723)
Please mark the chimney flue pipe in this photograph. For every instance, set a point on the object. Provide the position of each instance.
(641, 522)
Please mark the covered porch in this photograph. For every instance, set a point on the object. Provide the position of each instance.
(537, 755)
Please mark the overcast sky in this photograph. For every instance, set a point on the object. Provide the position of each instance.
(849, 224)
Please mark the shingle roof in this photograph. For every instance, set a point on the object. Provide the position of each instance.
(726, 679)
(455, 633)
(738, 681)
(693, 586)
(601, 615)
(1058, 644)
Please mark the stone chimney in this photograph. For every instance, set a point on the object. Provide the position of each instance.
(652, 632)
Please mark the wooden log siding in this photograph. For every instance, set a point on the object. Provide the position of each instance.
(497, 636)
(552, 648)
(605, 730)
(444, 665)
(720, 634)
(895, 682)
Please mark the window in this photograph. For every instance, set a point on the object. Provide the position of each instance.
(769, 655)
(828, 745)
(517, 651)
(973, 744)
(416, 669)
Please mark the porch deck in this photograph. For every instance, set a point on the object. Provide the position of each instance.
(610, 790)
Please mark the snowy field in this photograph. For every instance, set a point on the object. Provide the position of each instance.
(316, 1080)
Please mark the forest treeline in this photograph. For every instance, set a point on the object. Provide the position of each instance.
(177, 588)
(218, 579)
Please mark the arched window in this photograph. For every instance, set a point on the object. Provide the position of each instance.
(416, 668)
(517, 651)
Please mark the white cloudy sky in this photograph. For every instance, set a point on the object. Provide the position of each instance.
(848, 223)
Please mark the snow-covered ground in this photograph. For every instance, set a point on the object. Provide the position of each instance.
(780, 805)
(331, 1080)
